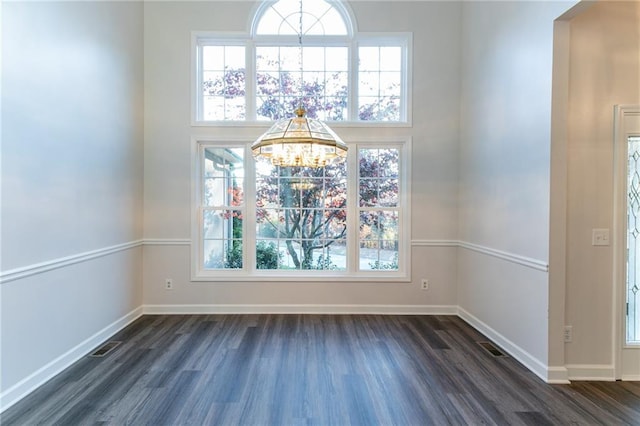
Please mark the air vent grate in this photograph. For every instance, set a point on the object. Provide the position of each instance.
(489, 347)
(105, 349)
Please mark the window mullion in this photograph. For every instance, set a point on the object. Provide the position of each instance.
(353, 214)
(353, 81)
(199, 78)
(250, 82)
(249, 229)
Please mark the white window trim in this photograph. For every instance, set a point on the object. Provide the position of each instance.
(404, 39)
(341, 7)
(403, 274)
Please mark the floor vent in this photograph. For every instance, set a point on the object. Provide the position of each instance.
(489, 347)
(105, 349)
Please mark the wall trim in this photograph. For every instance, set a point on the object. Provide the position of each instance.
(536, 366)
(30, 383)
(594, 372)
(435, 243)
(529, 262)
(539, 265)
(301, 309)
(49, 265)
(167, 241)
(558, 375)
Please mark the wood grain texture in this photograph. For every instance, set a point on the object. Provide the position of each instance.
(313, 370)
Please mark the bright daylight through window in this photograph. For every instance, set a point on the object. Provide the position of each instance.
(254, 219)
(301, 218)
(341, 75)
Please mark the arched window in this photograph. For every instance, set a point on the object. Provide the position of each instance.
(319, 17)
(258, 221)
(338, 74)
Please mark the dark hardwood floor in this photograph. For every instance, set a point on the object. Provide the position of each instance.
(313, 370)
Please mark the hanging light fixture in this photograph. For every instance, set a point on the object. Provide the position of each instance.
(300, 141)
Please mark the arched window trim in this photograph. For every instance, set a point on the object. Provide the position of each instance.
(341, 7)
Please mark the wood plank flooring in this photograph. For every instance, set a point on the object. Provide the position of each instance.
(313, 370)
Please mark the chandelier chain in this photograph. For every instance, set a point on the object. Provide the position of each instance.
(301, 86)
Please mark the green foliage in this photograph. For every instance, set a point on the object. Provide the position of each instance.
(392, 266)
(267, 256)
(234, 256)
(325, 263)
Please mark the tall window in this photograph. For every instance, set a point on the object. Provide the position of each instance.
(341, 75)
(222, 210)
(256, 220)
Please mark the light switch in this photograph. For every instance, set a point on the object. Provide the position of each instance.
(600, 237)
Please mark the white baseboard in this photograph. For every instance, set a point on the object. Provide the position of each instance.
(630, 378)
(557, 376)
(540, 369)
(301, 309)
(27, 385)
(599, 372)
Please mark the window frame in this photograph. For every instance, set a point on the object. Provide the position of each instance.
(201, 38)
(249, 272)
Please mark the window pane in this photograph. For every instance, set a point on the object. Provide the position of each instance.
(222, 224)
(267, 254)
(224, 162)
(369, 84)
(380, 83)
(223, 183)
(279, 86)
(313, 58)
(308, 214)
(379, 240)
(390, 58)
(378, 186)
(369, 59)
(319, 17)
(222, 240)
(223, 83)
(223, 254)
(222, 200)
(379, 109)
(388, 192)
(212, 58)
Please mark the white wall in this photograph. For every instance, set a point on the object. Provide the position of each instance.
(72, 131)
(507, 50)
(436, 65)
(71, 182)
(604, 70)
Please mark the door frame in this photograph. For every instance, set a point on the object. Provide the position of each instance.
(620, 234)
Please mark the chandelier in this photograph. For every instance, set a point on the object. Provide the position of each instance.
(300, 141)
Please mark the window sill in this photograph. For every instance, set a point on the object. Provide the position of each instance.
(333, 124)
(325, 277)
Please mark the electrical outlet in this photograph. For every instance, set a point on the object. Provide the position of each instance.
(568, 333)
(168, 284)
(425, 284)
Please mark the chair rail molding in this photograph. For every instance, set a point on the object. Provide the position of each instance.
(61, 262)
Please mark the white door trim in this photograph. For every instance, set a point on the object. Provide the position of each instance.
(619, 231)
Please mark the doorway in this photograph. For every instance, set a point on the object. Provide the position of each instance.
(627, 242)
